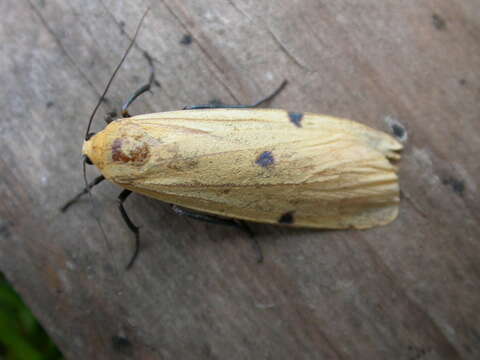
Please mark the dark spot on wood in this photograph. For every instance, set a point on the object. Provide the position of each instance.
(5, 229)
(122, 345)
(136, 153)
(227, 191)
(296, 118)
(417, 353)
(398, 131)
(473, 334)
(49, 104)
(462, 82)
(438, 22)
(186, 39)
(287, 218)
(121, 25)
(458, 186)
(265, 159)
(207, 352)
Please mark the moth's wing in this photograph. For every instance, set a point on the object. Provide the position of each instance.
(222, 120)
(256, 165)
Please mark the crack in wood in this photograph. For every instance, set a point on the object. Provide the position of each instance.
(62, 48)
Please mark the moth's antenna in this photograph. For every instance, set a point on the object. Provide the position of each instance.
(90, 197)
(114, 74)
(88, 134)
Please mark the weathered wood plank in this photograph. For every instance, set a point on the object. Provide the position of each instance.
(407, 291)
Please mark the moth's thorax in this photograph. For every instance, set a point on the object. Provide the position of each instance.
(120, 143)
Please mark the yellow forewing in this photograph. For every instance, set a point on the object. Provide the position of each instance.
(255, 164)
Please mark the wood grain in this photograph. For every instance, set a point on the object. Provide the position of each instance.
(405, 291)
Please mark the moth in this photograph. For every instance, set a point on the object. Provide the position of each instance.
(233, 164)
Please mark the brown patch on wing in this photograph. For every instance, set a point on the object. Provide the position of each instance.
(183, 164)
(125, 150)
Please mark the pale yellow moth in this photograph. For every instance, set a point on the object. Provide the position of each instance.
(260, 165)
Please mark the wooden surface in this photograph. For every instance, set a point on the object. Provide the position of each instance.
(406, 291)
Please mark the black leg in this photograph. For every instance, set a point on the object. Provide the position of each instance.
(239, 224)
(272, 95)
(143, 89)
(217, 105)
(121, 198)
(77, 197)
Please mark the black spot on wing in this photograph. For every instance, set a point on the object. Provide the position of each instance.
(296, 118)
(287, 218)
(398, 131)
(265, 159)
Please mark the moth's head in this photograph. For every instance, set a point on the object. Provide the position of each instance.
(92, 150)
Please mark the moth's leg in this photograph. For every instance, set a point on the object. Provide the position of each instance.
(239, 224)
(121, 198)
(271, 96)
(142, 89)
(77, 197)
(223, 106)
